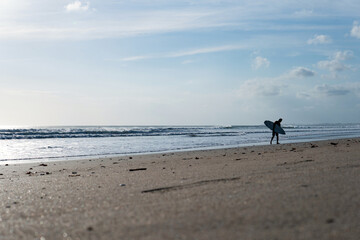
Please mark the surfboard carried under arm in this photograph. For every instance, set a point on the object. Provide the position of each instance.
(270, 125)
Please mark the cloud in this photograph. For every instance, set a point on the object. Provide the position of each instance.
(261, 88)
(186, 53)
(135, 58)
(260, 62)
(109, 23)
(301, 72)
(332, 66)
(187, 61)
(345, 55)
(303, 13)
(77, 6)
(335, 64)
(304, 95)
(206, 50)
(355, 31)
(275, 86)
(118, 19)
(319, 39)
(326, 90)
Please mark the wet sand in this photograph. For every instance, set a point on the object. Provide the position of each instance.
(290, 191)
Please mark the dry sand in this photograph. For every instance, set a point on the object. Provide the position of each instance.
(290, 191)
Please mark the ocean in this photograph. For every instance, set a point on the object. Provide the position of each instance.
(69, 143)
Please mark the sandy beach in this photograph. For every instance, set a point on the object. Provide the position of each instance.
(287, 191)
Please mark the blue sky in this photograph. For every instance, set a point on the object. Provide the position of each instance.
(140, 62)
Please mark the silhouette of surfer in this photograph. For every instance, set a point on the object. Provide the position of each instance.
(278, 122)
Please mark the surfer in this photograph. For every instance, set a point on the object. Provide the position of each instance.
(278, 122)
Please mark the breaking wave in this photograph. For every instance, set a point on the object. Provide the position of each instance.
(102, 132)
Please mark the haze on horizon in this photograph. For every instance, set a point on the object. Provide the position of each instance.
(105, 62)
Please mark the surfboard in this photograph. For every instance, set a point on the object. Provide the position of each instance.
(270, 125)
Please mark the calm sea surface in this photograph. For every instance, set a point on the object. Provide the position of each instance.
(60, 143)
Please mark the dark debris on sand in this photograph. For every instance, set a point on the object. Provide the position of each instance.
(137, 169)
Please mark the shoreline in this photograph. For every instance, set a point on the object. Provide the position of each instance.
(288, 191)
(104, 156)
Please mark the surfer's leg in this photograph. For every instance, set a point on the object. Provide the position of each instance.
(277, 138)
(273, 135)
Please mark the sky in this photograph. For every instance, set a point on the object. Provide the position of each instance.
(173, 62)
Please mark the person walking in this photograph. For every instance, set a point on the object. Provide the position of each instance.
(278, 122)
